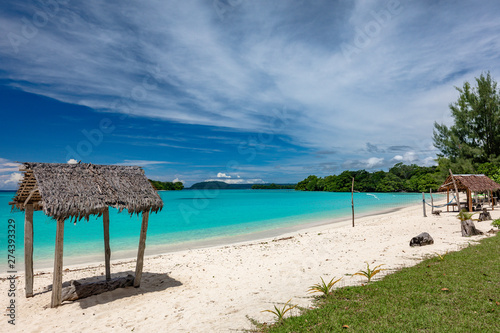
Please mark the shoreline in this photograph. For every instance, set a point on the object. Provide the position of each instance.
(96, 260)
(216, 289)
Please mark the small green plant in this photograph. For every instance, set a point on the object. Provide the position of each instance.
(496, 223)
(464, 215)
(323, 287)
(369, 273)
(280, 313)
(441, 257)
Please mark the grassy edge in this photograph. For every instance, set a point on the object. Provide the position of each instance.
(442, 293)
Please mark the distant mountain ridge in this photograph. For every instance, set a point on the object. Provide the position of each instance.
(211, 185)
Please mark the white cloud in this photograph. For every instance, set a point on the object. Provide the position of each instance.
(72, 161)
(14, 178)
(223, 175)
(374, 162)
(177, 180)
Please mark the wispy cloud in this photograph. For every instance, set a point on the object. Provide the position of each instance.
(144, 163)
(183, 62)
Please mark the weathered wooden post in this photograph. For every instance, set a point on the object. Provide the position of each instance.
(456, 189)
(352, 201)
(140, 252)
(58, 265)
(107, 249)
(423, 203)
(28, 250)
(432, 201)
(447, 199)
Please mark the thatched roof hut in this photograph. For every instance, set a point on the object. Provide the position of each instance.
(474, 183)
(77, 191)
(80, 190)
(469, 183)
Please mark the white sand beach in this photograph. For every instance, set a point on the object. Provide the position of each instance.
(215, 289)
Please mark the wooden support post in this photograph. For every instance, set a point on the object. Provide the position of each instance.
(456, 190)
(448, 199)
(107, 249)
(58, 266)
(469, 199)
(423, 203)
(492, 200)
(352, 201)
(142, 247)
(432, 201)
(28, 250)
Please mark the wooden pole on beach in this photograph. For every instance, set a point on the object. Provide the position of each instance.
(107, 249)
(142, 247)
(432, 201)
(447, 199)
(28, 250)
(352, 201)
(423, 203)
(58, 266)
(456, 190)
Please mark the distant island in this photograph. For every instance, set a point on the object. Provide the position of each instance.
(211, 185)
(273, 186)
(166, 186)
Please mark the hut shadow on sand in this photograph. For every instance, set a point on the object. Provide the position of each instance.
(75, 192)
(150, 283)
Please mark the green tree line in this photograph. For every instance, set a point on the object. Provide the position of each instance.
(167, 186)
(273, 186)
(400, 178)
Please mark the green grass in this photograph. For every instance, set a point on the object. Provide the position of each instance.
(413, 299)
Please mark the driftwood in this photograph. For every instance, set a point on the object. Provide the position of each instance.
(437, 212)
(485, 215)
(469, 229)
(78, 290)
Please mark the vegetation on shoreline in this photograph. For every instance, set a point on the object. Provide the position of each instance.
(166, 186)
(458, 294)
(273, 186)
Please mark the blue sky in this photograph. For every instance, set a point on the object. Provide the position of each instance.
(236, 90)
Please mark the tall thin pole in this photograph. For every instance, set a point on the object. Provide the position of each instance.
(28, 250)
(423, 203)
(456, 189)
(432, 201)
(58, 266)
(107, 248)
(352, 201)
(142, 247)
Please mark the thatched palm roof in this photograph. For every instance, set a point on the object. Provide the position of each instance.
(80, 190)
(474, 183)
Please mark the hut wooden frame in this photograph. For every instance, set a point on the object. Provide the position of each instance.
(77, 191)
(470, 184)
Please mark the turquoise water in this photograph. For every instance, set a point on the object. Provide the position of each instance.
(194, 216)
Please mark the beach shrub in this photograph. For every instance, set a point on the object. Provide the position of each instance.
(464, 215)
(370, 273)
(280, 312)
(323, 287)
(496, 223)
